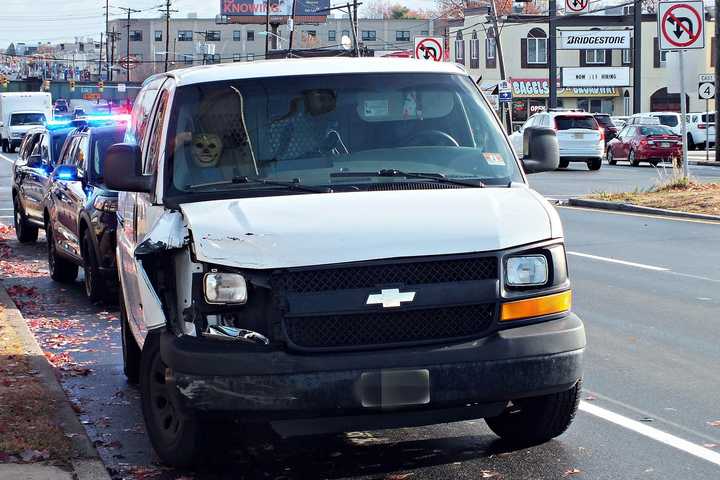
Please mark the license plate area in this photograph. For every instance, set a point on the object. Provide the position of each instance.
(664, 144)
(579, 136)
(394, 388)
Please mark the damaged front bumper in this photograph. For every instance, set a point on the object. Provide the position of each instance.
(335, 392)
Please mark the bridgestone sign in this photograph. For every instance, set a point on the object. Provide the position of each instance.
(594, 39)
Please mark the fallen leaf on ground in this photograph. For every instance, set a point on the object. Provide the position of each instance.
(714, 423)
(572, 471)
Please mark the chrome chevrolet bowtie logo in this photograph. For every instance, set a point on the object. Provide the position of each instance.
(390, 298)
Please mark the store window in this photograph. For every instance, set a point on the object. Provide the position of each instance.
(237, 36)
(369, 35)
(185, 36)
(332, 35)
(136, 35)
(250, 35)
(474, 51)
(158, 35)
(595, 57)
(534, 49)
(213, 36)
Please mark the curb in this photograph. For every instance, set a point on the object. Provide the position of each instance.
(704, 163)
(86, 460)
(627, 207)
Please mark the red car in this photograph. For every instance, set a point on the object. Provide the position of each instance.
(644, 143)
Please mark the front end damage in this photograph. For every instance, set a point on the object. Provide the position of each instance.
(302, 349)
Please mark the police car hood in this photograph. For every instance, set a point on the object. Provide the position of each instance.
(328, 228)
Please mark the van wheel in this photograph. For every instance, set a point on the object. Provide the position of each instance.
(535, 420)
(24, 232)
(564, 163)
(175, 434)
(130, 350)
(93, 278)
(61, 270)
(594, 164)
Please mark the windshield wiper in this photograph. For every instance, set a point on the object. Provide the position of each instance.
(294, 185)
(391, 172)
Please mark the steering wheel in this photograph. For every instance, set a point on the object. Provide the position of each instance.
(434, 138)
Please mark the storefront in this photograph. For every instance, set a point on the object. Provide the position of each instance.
(530, 96)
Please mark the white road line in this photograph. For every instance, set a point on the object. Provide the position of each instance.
(653, 433)
(6, 158)
(621, 262)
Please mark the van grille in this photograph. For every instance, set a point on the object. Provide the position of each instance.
(370, 276)
(384, 328)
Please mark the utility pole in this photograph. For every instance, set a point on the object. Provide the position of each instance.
(717, 79)
(292, 30)
(501, 63)
(100, 58)
(267, 27)
(552, 54)
(127, 32)
(107, 36)
(637, 57)
(113, 36)
(167, 11)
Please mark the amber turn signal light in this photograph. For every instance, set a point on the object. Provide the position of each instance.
(536, 307)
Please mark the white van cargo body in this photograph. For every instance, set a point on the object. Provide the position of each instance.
(19, 112)
(338, 245)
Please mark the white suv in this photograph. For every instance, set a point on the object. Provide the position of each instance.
(580, 137)
(700, 128)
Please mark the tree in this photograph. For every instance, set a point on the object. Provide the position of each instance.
(385, 11)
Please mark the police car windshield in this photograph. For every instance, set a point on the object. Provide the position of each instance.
(308, 129)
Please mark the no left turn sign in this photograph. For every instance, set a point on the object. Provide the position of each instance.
(429, 48)
(681, 25)
(577, 6)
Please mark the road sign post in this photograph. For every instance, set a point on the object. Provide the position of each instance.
(681, 26)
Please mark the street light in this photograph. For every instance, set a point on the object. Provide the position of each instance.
(279, 38)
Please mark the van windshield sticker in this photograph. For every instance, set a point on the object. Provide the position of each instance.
(376, 108)
(494, 159)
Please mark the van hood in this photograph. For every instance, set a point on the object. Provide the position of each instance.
(317, 229)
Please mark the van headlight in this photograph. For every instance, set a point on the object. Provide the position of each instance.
(526, 271)
(225, 288)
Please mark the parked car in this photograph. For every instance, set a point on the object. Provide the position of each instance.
(644, 143)
(609, 128)
(37, 157)
(701, 129)
(643, 119)
(619, 121)
(669, 119)
(80, 213)
(276, 263)
(580, 137)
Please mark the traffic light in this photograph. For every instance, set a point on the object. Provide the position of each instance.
(101, 86)
(46, 85)
(72, 85)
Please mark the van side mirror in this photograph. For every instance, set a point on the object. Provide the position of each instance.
(34, 161)
(122, 169)
(541, 150)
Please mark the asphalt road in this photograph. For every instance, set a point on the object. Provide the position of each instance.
(577, 180)
(646, 287)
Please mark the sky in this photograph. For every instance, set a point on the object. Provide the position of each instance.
(62, 20)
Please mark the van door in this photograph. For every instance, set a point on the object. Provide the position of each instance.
(138, 213)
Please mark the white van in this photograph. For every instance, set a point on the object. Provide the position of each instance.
(19, 112)
(339, 244)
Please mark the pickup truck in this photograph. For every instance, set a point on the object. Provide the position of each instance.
(328, 245)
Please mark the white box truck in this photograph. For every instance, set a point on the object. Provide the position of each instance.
(19, 112)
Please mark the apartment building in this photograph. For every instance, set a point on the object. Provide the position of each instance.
(194, 41)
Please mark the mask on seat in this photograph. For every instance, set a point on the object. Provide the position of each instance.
(206, 149)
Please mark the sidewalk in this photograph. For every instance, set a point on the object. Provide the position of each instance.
(40, 435)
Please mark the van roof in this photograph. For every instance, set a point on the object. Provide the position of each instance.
(309, 66)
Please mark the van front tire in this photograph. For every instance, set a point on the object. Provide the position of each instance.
(175, 434)
(535, 420)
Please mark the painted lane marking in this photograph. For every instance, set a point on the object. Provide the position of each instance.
(6, 158)
(653, 433)
(621, 262)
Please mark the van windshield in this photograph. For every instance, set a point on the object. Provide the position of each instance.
(328, 130)
(27, 119)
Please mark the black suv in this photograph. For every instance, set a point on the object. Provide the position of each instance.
(38, 155)
(79, 214)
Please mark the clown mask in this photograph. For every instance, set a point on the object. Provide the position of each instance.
(206, 149)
